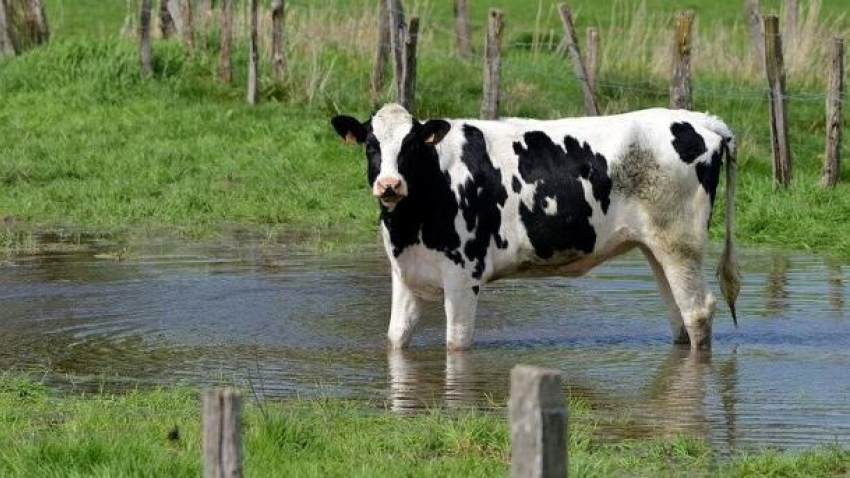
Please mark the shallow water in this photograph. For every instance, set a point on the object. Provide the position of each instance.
(295, 323)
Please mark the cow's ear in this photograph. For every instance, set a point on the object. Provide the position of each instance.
(435, 130)
(349, 129)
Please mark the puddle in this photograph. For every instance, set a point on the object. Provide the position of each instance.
(298, 323)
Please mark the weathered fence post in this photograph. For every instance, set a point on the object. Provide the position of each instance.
(204, 11)
(187, 20)
(407, 95)
(575, 55)
(222, 434)
(790, 22)
(253, 56)
(462, 44)
(7, 48)
(492, 64)
(166, 21)
(832, 157)
(592, 57)
(397, 29)
(756, 35)
(23, 25)
(680, 80)
(539, 422)
(778, 101)
(144, 37)
(382, 50)
(226, 40)
(278, 12)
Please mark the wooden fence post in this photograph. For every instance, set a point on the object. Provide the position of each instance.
(832, 157)
(253, 56)
(756, 35)
(166, 22)
(462, 44)
(222, 434)
(397, 37)
(680, 80)
(144, 37)
(39, 21)
(592, 57)
(187, 20)
(7, 48)
(539, 423)
(492, 64)
(278, 58)
(225, 70)
(382, 50)
(407, 97)
(575, 55)
(790, 22)
(778, 101)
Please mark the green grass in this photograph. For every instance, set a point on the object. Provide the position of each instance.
(88, 142)
(44, 434)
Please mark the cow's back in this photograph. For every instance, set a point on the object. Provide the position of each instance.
(580, 190)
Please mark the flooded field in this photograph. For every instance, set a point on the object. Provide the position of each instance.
(296, 323)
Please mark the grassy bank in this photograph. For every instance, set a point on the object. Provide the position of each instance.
(87, 141)
(157, 433)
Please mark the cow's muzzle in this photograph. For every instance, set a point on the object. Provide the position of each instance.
(388, 190)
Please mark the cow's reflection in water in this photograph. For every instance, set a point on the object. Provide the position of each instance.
(413, 385)
(689, 393)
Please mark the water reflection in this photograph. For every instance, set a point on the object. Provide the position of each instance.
(776, 294)
(836, 287)
(297, 323)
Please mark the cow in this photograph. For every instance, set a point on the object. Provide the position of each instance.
(464, 202)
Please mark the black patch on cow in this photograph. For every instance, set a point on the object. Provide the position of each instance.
(373, 158)
(430, 206)
(476, 289)
(516, 184)
(687, 142)
(557, 171)
(708, 174)
(481, 199)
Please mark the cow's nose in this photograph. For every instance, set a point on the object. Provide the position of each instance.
(388, 187)
(389, 184)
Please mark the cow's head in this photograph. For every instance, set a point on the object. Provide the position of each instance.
(397, 145)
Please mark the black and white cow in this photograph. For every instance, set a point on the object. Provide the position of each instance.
(465, 202)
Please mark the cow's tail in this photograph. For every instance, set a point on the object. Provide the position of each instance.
(728, 273)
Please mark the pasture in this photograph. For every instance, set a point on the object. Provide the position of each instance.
(160, 235)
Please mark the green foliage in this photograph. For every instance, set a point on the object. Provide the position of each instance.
(88, 141)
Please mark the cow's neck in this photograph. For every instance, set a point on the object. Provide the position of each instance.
(426, 216)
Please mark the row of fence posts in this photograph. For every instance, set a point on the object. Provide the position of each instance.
(766, 41)
(537, 415)
(397, 40)
(169, 10)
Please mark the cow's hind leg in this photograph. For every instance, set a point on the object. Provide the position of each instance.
(461, 305)
(677, 325)
(405, 314)
(683, 270)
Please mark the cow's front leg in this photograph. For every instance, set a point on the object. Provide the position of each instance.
(460, 317)
(405, 314)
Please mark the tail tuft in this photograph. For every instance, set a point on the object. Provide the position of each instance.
(728, 272)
